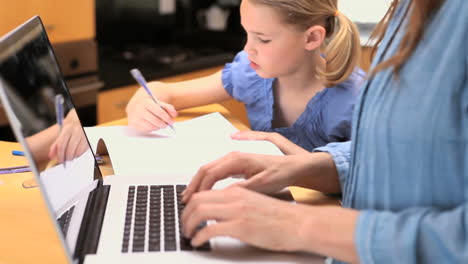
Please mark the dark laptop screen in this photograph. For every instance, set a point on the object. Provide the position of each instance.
(36, 91)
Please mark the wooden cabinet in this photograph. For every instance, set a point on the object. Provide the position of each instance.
(111, 103)
(65, 20)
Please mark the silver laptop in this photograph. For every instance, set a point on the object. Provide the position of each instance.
(119, 219)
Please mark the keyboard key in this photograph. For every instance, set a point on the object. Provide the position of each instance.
(146, 205)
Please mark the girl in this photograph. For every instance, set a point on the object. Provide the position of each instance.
(296, 76)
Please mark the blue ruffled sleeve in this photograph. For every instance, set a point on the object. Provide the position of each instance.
(337, 115)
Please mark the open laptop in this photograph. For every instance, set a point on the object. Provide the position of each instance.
(119, 219)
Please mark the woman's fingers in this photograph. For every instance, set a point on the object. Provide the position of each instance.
(230, 164)
(261, 182)
(242, 214)
(220, 205)
(226, 228)
(204, 212)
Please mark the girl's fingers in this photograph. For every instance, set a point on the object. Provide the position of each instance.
(160, 113)
(249, 135)
(62, 144)
(53, 151)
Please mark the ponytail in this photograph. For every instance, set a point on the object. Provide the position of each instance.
(343, 51)
(342, 47)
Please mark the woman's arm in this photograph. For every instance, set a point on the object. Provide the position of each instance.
(268, 174)
(321, 173)
(271, 224)
(329, 231)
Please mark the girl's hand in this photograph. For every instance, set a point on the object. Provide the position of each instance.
(284, 144)
(248, 216)
(71, 141)
(263, 173)
(144, 115)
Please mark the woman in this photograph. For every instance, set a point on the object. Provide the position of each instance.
(404, 177)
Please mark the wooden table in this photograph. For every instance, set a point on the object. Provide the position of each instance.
(26, 231)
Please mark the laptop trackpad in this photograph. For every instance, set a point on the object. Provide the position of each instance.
(230, 249)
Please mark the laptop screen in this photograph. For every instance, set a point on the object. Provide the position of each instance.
(36, 97)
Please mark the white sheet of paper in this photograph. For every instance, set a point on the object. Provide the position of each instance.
(195, 142)
(62, 184)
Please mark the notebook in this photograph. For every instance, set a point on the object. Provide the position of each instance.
(116, 219)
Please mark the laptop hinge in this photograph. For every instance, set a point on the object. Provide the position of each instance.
(90, 231)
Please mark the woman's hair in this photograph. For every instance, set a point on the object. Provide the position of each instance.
(419, 16)
(341, 49)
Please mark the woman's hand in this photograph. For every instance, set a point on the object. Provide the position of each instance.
(71, 141)
(248, 216)
(144, 115)
(263, 173)
(284, 144)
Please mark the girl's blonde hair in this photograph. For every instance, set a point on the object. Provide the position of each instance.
(341, 48)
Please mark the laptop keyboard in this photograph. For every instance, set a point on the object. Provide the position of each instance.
(152, 220)
(64, 220)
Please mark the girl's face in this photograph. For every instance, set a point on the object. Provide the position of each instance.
(274, 48)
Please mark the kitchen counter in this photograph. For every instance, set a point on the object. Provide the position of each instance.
(172, 56)
(114, 66)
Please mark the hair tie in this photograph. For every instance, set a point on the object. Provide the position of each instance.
(336, 13)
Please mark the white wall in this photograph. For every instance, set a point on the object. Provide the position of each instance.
(364, 10)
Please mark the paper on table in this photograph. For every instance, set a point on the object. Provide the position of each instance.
(63, 184)
(212, 125)
(196, 142)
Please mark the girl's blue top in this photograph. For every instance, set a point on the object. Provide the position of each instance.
(406, 168)
(326, 118)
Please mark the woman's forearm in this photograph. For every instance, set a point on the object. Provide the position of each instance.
(329, 231)
(319, 173)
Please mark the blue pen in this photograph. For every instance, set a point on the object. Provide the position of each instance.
(59, 110)
(17, 153)
(16, 169)
(59, 114)
(141, 80)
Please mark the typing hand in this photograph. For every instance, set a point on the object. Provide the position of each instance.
(144, 115)
(71, 141)
(284, 144)
(248, 216)
(263, 173)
